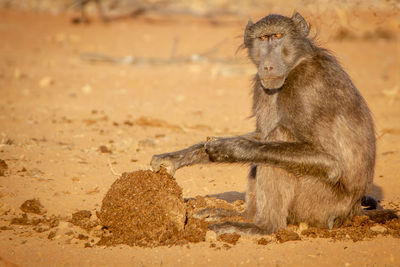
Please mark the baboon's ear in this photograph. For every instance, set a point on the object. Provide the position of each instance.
(301, 24)
(246, 32)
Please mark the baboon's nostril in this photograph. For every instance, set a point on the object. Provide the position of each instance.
(268, 68)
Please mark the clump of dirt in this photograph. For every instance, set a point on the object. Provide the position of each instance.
(3, 167)
(82, 219)
(229, 238)
(146, 208)
(285, 235)
(33, 206)
(104, 149)
(79, 216)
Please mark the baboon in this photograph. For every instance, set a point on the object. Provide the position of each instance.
(312, 154)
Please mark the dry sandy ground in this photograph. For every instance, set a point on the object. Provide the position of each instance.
(57, 109)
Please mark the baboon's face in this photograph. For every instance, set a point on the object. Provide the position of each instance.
(272, 47)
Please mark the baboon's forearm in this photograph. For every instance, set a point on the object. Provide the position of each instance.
(297, 158)
(192, 155)
(196, 154)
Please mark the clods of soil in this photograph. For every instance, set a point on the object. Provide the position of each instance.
(285, 235)
(82, 219)
(360, 228)
(232, 238)
(33, 206)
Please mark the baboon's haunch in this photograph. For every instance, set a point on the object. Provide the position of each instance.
(312, 154)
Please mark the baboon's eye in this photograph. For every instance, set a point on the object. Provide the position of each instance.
(277, 35)
(262, 37)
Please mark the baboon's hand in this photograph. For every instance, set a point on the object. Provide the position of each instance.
(222, 149)
(163, 160)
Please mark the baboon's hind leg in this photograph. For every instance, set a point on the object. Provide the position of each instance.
(238, 227)
(215, 214)
(251, 205)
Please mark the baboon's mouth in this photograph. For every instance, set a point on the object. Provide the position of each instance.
(272, 82)
(270, 78)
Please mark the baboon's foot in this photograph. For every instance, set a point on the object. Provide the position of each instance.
(215, 214)
(238, 227)
(165, 161)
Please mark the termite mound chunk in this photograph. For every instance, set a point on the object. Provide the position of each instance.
(144, 208)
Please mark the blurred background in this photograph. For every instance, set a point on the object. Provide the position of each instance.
(371, 19)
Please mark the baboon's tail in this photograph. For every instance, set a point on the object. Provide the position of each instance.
(369, 208)
(380, 216)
